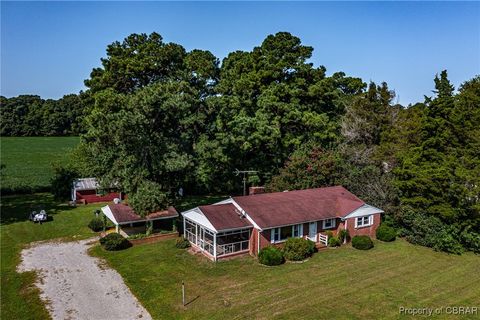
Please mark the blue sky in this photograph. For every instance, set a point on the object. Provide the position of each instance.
(49, 48)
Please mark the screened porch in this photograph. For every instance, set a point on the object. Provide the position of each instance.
(216, 244)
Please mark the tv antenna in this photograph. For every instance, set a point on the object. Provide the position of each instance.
(245, 173)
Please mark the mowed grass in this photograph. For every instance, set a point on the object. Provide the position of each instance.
(29, 160)
(339, 283)
(342, 283)
(19, 297)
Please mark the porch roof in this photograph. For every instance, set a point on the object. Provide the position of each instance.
(225, 217)
(217, 218)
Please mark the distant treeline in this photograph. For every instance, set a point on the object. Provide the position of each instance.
(30, 115)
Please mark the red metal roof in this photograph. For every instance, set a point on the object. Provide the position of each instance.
(225, 217)
(123, 213)
(269, 210)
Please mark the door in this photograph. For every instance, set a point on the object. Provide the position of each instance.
(312, 231)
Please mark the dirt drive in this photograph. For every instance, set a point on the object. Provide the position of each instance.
(75, 285)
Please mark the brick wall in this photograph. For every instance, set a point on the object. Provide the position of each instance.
(364, 231)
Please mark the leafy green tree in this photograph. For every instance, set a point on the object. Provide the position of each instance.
(137, 61)
(440, 177)
(61, 183)
(269, 102)
(33, 116)
(308, 167)
(148, 198)
(143, 125)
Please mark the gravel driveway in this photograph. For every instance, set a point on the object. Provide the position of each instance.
(77, 286)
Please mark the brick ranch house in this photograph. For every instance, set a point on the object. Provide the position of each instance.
(246, 224)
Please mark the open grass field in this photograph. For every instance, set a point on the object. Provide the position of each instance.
(339, 283)
(20, 299)
(342, 283)
(29, 160)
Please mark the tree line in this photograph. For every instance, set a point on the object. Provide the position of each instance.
(30, 115)
(158, 117)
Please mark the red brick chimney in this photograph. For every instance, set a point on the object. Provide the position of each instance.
(255, 190)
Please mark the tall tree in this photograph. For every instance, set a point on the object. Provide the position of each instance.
(269, 102)
(440, 177)
(144, 122)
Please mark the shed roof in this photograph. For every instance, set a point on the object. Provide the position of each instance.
(225, 217)
(85, 184)
(122, 213)
(270, 210)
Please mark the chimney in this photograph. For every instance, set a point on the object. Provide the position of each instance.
(255, 190)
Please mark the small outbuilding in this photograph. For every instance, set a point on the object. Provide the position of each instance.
(87, 190)
(127, 222)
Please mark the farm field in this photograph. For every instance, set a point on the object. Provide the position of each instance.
(379, 280)
(29, 160)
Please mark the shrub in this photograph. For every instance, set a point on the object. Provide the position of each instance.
(329, 233)
(270, 256)
(311, 247)
(362, 242)
(296, 249)
(96, 224)
(114, 241)
(182, 243)
(343, 234)
(471, 239)
(386, 233)
(334, 242)
(429, 231)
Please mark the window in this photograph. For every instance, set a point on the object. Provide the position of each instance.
(297, 230)
(283, 233)
(364, 221)
(329, 223)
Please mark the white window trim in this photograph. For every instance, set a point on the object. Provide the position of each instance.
(272, 231)
(334, 223)
(370, 221)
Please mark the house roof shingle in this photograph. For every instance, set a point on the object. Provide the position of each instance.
(225, 216)
(123, 213)
(269, 210)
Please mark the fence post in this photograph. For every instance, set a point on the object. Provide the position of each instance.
(183, 293)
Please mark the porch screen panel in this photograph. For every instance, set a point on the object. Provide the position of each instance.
(232, 241)
(191, 231)
(208, 242)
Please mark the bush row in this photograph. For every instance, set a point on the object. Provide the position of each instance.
(295, 249)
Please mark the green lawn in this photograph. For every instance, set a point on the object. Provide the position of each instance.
(342, 283)
(20, 298)
(29, 160)
(339, 283)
